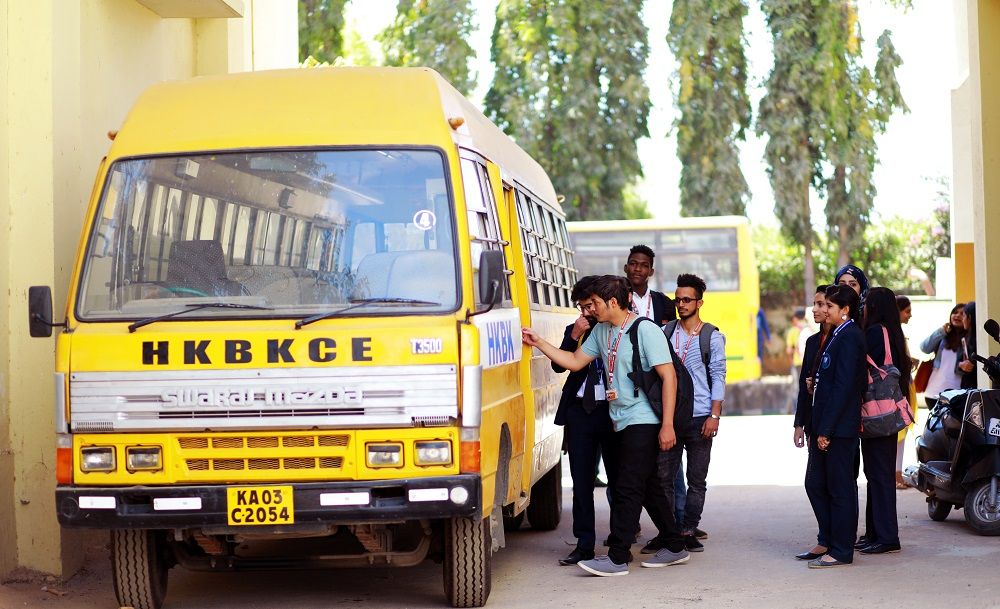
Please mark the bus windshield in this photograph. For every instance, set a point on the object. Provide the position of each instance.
(299, 232)
(710, 253)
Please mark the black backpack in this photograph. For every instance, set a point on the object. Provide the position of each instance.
(650, 383)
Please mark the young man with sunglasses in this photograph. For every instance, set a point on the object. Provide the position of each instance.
(708, 374)
(644, 301)
(640, 433)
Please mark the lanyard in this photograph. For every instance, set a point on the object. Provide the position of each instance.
(691, 337)
(613, 350)
(649, 304)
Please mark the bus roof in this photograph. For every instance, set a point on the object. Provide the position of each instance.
(318, 107)
(658, 224)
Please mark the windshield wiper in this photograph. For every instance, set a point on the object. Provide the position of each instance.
(360, 302)
(193, 307)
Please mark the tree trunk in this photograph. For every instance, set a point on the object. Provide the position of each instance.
(843, 253)
(808, 273)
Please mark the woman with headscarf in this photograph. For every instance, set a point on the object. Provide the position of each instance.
(854, 278)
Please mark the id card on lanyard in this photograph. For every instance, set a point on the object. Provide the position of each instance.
(824, 360)
(611, 392)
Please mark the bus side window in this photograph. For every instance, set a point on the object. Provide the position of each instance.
(484, 231)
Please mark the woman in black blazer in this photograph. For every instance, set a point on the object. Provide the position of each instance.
(803, 405)
(881, 320)
(835, 422)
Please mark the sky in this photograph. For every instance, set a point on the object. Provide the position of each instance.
(914, 152)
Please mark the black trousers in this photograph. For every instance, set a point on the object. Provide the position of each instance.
(880, 470)
(588, 436)
(699, 454)
(638, 482)
(832, 490)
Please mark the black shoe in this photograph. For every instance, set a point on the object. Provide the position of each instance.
(862, 543)
(809, 555)
(652, 547)
(576, 556)
(881, 548)
(692, 544)
(600, 482)
(700, 534)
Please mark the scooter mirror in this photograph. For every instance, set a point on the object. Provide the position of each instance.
(993, 329)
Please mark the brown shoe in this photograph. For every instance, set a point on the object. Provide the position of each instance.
(900, 482)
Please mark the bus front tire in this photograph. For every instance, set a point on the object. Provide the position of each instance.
(545, 508)
(467, 557)
(139, 568)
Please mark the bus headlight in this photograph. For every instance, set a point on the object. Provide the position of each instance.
(97, 459)
(143, 458)
(436, 452)
(384, 455)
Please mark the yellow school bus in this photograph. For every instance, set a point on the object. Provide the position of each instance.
(292, 336)
(718, 249)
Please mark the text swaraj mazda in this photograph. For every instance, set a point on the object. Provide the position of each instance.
(293, 332)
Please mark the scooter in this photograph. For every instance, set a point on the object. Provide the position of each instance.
(959, 451)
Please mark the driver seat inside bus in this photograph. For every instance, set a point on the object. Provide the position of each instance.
(200, 266)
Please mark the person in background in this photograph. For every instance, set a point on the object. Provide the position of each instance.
(583, 409)
(763, 334)
(643, 301)
(905, 313)
(947, 343)
(969, 375)
(803, 405)
(792, 341)
(838, 389)
(882, 328)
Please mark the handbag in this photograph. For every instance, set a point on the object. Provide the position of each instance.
(885, 410)
(923, 375)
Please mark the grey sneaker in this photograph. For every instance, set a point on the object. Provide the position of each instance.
(603, 566)
(665, 558)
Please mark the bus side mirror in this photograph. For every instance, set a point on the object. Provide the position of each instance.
(490, 277)
(40, 311)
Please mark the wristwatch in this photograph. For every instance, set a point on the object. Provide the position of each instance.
(716, 416)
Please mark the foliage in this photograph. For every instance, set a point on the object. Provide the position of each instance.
(887, 253)
(569, 88)
(433, 33)
(634, 206)
(321, 24)
(706, 36)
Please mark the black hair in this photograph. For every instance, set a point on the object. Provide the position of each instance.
(687, 280)
(902, 302)
(642, 249)
(881, 310)
(607, 287)
(799, 313)
(580, 287)
(821, 288)
(953, 338)
(843, 296)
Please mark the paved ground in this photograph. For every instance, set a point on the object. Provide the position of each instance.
(757, 516)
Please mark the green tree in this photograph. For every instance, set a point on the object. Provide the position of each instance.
(433, 33)
(706, 37)
(788, 117)
(321, 26)
(569, 88)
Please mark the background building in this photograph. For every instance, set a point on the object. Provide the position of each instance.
(69, 72)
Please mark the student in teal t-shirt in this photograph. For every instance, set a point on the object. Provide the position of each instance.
(641, 435)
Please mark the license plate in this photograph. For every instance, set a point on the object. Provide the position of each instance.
(256, 505)
(994, 428)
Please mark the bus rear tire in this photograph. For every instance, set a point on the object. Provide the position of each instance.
(139, 568)
(467, 557)
(545, 508)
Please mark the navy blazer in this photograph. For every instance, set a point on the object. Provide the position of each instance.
(803, 405)
(840, 385)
